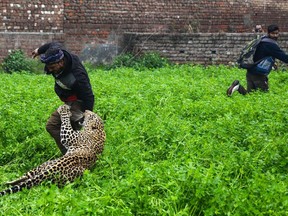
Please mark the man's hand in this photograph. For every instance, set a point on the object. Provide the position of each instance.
(275, 66)
(35, 53)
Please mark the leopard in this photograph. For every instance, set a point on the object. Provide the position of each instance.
(84, 148)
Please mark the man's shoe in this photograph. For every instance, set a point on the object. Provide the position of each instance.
(234, 87)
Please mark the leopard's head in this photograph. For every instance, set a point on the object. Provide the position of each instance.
(92, 122)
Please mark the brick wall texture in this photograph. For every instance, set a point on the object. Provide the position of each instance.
(207, 31)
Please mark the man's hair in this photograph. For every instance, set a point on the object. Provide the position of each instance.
(272, 28)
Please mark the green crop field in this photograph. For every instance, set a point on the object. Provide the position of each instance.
(176, 145)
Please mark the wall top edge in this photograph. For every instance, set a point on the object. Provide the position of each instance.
(31, 33)
(202, 34)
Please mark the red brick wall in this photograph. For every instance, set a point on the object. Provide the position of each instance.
(85, 24)
(173, 15)
(32, 16)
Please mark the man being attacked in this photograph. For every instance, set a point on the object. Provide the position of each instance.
(72, 85)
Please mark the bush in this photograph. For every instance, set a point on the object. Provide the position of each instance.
(123, 60)
(148, 60)
(153, 60)
(16, 61)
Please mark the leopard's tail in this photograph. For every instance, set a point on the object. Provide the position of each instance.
(18, 187)
(30, 179)
(49, 171)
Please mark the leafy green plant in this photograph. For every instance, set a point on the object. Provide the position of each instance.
(148, 60)
(176, 144)
(152, 60)
(123, 60)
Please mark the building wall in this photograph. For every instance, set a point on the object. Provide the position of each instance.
(203, 48)
(97, 30)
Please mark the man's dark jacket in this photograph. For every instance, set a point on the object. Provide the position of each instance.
(267, 48)
(73, 83)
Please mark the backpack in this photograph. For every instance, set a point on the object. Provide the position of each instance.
(265, 66)
(245, 60)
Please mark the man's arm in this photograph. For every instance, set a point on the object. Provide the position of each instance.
(42, 49)
(277, 53)
(82, 86)
(84, 92)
